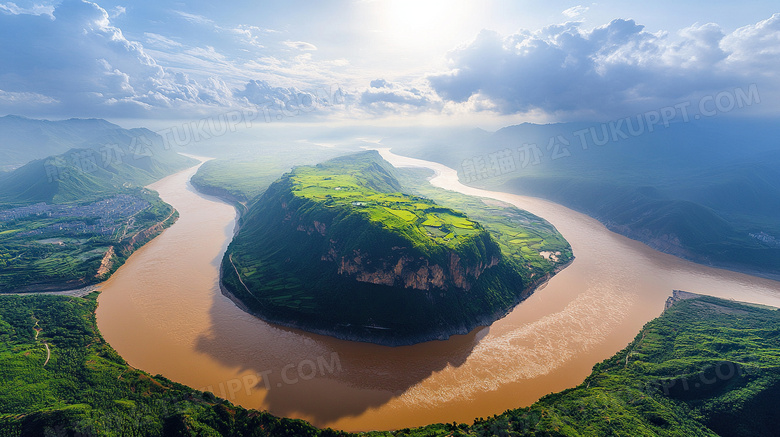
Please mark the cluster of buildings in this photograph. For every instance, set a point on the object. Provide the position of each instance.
(103, 217)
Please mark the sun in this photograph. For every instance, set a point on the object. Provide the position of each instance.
(421, 22)
(412, 16)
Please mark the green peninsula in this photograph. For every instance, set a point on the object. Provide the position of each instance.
(341, 249)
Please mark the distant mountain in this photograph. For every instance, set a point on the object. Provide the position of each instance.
(82, 159)
(701, 190)
(24, 139)
(338, 249)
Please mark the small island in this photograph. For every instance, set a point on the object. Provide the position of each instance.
(342, 249)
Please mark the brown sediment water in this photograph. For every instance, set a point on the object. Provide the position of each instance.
(164, 313)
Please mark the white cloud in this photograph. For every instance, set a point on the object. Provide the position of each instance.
(575, 11)
(80, 60)
(207, 53)
(606, 70)
(160, 41)
(282, 102)
(36, 9)
(250, 34)
(194, 18)
(756, 46)
(384, 97)
(300, 45)
(117, 11)
(25, 98)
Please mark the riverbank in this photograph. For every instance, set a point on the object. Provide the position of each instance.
(387, 341)
(110, 262)
(221, 193)
(679, 251)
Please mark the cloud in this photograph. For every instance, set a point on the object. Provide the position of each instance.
(160, 41)
(280, 102)
(36, 9)
(85, 66)
(250, 34)
(300, 45)
(77, 63)
(606, 70)
(117, 11)
(575, 11)
(194, 18)
(383, 97)
(756, 46)
(26, 98)
(208, 53)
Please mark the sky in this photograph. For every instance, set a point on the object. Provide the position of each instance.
(493, 62)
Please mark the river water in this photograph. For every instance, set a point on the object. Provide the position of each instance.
(164, 313)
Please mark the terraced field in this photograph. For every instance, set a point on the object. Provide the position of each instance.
(418, 216)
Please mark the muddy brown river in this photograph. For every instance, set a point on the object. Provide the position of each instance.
(164, 313)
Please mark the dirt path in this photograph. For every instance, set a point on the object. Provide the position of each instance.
(48, 354)
(230, 257)
(160, 223)
(79, 292)
(105, 263)
(632, 350)
(38, 332)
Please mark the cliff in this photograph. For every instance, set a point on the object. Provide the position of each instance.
(338, 249)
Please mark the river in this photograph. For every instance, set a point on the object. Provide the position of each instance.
(164, 313)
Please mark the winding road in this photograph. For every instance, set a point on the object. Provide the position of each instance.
(37, 332)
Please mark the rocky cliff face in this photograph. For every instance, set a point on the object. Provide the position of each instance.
(399, 266)
(405, 271)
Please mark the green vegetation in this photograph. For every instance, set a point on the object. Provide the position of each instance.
(682, 227)
(338, 248)
(525, 238)
(26, 139)
(706, 367)
(56, 247)
(71, 220)
(86, 389)
(243, 179)
(424, 223)
(65, 178)
(238, 181)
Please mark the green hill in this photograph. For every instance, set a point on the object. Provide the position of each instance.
(46, 247)
(78, 160)
(339, 249)
(63, 179)
(70, 220)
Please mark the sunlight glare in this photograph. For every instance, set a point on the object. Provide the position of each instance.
(422, 23)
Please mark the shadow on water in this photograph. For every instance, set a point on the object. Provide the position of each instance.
(322, 378)
(291, 372)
